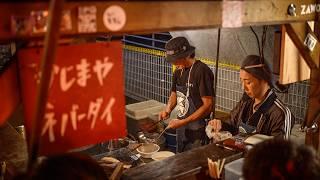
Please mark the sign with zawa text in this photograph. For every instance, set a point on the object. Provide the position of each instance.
(86, 95)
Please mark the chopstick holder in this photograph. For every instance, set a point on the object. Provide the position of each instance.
(215, 167)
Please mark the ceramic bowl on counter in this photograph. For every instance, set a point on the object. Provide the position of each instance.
(146, 150)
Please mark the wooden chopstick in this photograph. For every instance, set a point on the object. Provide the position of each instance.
(215, 167)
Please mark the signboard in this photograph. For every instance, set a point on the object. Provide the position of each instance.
(86, 95)
(9, 92)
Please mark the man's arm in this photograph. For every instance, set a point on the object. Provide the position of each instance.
(172, 102)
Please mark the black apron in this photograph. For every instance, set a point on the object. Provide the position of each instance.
(250, 126)
(192, 134)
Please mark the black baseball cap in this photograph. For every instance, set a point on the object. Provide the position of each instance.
(177, 48)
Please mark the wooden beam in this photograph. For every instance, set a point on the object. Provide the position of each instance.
(153, 16)
(298, 33)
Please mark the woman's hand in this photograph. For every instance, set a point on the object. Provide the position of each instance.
(216, 125)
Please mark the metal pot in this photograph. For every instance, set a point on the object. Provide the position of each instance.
(152, 138)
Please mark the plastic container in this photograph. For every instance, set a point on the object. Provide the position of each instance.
(138, 116)
(143, 109)
(233, 170)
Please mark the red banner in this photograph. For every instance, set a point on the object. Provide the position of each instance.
(86, 96)
(9, 92)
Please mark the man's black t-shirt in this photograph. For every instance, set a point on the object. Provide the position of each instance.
(201, 81)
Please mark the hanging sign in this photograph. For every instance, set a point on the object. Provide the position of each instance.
(9, 92)
(86, 95)
(232, 14)
(114, 18)
(87, 19)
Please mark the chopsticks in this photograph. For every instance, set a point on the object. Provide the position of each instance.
(225, 147)
(140, 144)
(215, 167)
(155, 123)
(149, 128)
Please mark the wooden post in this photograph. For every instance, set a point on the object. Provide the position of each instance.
(51, 39)
(298, 33)
(313, 114)
(312, 135)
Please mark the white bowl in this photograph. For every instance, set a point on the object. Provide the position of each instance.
(147, 149)
(161, 155)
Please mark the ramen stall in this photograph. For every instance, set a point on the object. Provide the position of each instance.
(78, 70)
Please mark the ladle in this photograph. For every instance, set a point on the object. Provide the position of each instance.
(161, 133)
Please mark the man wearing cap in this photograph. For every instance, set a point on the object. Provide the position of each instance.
(192, 93)
(259, 110)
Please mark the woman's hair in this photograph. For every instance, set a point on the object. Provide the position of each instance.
(258, 67)
(281, 159)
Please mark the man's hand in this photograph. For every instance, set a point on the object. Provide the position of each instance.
(216, 124)
(164, 115)
(176, 123)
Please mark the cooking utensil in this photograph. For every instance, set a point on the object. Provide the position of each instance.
(152, 138)
(136, 147)
(162, 133)
(153, 124)
(142, 137)
(151, 127)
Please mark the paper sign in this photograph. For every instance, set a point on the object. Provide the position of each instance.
(114, 18)
(232, 12)
(86, 97)
(310, 42)
(87, 19)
